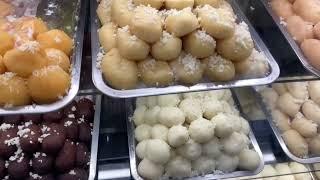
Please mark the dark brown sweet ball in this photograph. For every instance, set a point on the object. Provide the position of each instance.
(83, 155)
(19, 168)
(29, 138)
(84, 133)
(66, 158)
(33, 176)
(53, 117)
(42, 163)
(70, 108)
(74, 174)
(34, 118)
(52, 138)
(71, 126)
(85, 109)
(12, 119)
(2, 168)
(8, 140)
(82, 174)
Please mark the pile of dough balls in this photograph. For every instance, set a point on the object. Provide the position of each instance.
(34, 62)
(302, 20)
(191, 134)
(296, 112)
(162, 42)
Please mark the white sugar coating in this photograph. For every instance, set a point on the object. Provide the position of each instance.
(204, 37)
(29, 46)
(71, 116)
(72, 172)
(6, 164)
(217, 61)
(124, 29)
(35, 176)
(153, 14)
(22, 132)
(6, 77)
(67, 123)
(5, 127)
(12, 141)
(37, 154)
(55, 55)
(189, 63)
(44, 71)
(165, 37)
(220, 16)
(45, 128)
(57, 39)
(174, 12)
(242, 34)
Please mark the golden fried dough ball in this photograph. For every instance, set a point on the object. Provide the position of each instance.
(13, 91)
(58, 57)
(119, 72)
(155, 73)
(168, 48)
(178, 4)
(219, 69)
(199, 44)
(56, 39)
(121, 12)
(187, 69)
(296, 143)
(104, 11)
(239, 46)
(25, 59)
(146, 24)
(7, 42)
(131, 47)
(107, 36)
(48, 84)
(310, 48)
(180, 23)
(5, 9)
(213, 3)
(157, 4)
(2, 66)
(316, 30)
(282, 8)
(299, 29)
(309, 10)
(34, 27)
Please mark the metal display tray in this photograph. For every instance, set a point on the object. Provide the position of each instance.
(130, 106)
(290, 39)
(277, 133)
(144, 91)
(75, 59)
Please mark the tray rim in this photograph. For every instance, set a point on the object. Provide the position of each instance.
(100, 84)
(76, 59)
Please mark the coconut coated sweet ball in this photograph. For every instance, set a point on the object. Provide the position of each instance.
(121, 12)
(170, 100)
(178, 167)
(160, 131)
(191, 109)
(199, 44)
(158, 151)
(107, 37)
(227, 163)
(249, 160)
(150, 170)
(55, 39)
(138, 115)
(167, 48)
(203, 165)
(219, 69)
(142, 132)
(141, 149)
(58, 57)
(201, 130)
(190, 150)
(170, 116)
(177, 135)
(213, 148)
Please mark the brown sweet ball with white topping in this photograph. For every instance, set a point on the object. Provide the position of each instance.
(34, 118)
(29, 134)
(157, 4)
(84, 132)
(12, 119)
(52, 138)
(53, 117)
(2, 168)
(199, 44)
(48, 84)
(83, 155)
(85, 109)
(13, 91)
(42, 163)
(58, 57)
(219, 69)
(71, 127)
(8, 140)
(41, 177)
(70, 108)
(7, 42)
(19, 167)
(74, 174)
(66, 158)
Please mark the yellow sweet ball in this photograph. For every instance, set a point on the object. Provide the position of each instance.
(24, 59)
(57, 57)
(6, 42)
(107, 36)
(2, 66)
(55, 39)
(48, 84)
(219, 69)
(5, 9)
(13, 91)
(34, 27)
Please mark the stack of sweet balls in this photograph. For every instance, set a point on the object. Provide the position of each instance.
(160, 42)
(51, 146)
(191, 134)
(34, 62)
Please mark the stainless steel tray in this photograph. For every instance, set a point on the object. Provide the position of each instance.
(130, 106)
(311, 159)
(290, 40)
(99, 82)
(75, 72)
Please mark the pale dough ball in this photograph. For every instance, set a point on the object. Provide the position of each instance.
(218, 23)
(160, 131)
(13, 91)
(281, 120)
(213, 3)
(297, 168)
(146, 24)
(224, 125)
(155, 73)
(107, 36)
(270, 97)
(237, 47)
(149, 170)
(57, 57)
(119, 72)
(170, 116)
(141, 101)
(187, 69)
(303, 126)
(211, 108)
(48, 84)
(121, 12)
(219, 69)
(191, 109)
(158, 151)
(142, 132)
(288, 104)
(249, 160)
(151, 115)
(203, 165)
(268, 170)
(141, 149)
(190, 150)
(310, 49)
(167, 48)
(299, 29)
(296, 143)
(2, 66)
(181, 23)
(212, 148)
(280, 88)
(178, 167)
(309, 10)
(237, 122)
(131, 47)
(138, 115)
(170, 100)
(199, 44)
(283, 8)
(311, 111)
(227, 163)
(313, 89)
(201, 130)
(104, 11)
(245, 127)
(298, 90)
(233, 144)
(157, 4)
(177, 135)
(178, 4)
(283, 168)
(314, 145)
(151, 101)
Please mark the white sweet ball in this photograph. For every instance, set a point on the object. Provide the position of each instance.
(212, 148)
(227, 163)
(298, 168)
(157, 151)
(245, 127)
(151, 101)
(191, 109)
(138, 115)
(203, 165)
(178, 135)
(178, 167)
(141, 149)
(201, 130)
(224, 125)
(194, 95)
(170, 100)
(151, 115)
(269, 171)
(159, 131)
(234, 144)
(170, 116)
(149, 170)
(236, 121)
(249, 160)
(141, 101)
(142, 132)
(190, 150)
(212, 107)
